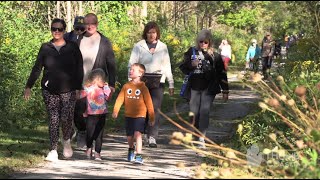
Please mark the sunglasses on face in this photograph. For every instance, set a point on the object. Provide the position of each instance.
(205, 42)
(79, 28)
(54, 29)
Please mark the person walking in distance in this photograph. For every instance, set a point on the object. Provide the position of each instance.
(225, 51)
(253, 56)
(137, 102)
(267, 52)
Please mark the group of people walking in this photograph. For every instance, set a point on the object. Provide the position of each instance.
(79, 76)
(265, 53)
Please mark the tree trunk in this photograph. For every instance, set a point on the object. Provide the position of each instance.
(58, 9)
(210, 21)
(49, 16)
(175, 14)
(80, 8)
(144, 12)
(69, 24)
(92, 6)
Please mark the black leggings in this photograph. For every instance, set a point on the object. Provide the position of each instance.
(95, 127)
(79, 120)
(266, 63)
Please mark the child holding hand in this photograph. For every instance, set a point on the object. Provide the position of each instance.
(97, 93)
(137, 102)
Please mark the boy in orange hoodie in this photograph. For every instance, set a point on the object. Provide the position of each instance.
(137, 102)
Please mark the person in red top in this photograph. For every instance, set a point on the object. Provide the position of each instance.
(137, 102)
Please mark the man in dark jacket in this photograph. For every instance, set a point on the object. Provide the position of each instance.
(267, 52)
(78, 28)
(97, 52)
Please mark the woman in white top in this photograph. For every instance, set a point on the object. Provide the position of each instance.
(225, 51)
(154, 55)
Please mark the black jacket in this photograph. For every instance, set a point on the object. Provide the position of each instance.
(63, 70)
(105, 58)
(215, 79)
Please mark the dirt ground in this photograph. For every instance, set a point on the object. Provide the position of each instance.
(159, 163)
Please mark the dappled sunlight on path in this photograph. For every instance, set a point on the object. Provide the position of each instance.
(159, 162)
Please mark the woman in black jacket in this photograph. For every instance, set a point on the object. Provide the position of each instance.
(208, 77)
(62, 65)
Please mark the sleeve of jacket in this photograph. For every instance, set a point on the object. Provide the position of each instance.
(148, 102)
(134, 57)
(79, 70)
(187, 61)
(272, 49)
(221, 73)
(37, 68)
(258, 51)
(167, 68)
(248, 54)
(111, 64)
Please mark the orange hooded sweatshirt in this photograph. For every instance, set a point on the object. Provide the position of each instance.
(137, 101)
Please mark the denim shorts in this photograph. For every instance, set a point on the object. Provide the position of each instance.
(134, 124)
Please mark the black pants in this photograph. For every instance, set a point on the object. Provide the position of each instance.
(266, 64)
(157, 96)
(95, 127)
(79, 120)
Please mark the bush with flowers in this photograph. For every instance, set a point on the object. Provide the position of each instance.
(289, 120)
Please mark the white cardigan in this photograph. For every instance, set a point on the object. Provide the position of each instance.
(158, 61)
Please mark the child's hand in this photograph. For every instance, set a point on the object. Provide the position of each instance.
(114, 115)
(151, 123)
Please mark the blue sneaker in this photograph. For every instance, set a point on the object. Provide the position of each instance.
(138, 159)
(131, 155)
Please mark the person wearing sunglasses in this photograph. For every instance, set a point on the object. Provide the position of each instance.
(78, 28)
(207, 77)
(62, 65)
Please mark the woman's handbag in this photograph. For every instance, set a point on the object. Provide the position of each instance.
(152, 80)
(185, 91)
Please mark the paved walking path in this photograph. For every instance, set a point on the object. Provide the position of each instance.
(159, 162)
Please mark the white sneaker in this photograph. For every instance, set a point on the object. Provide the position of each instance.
(52, 156)
(152, 142)
(145, 140)
(67, 149)
(202, 144)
